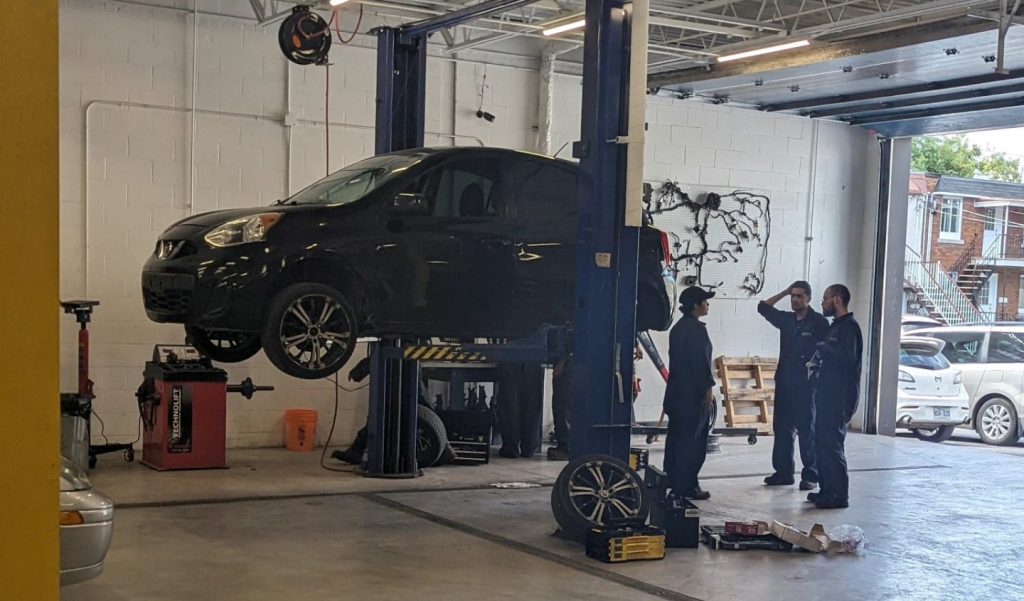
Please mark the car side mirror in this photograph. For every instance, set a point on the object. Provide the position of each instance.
(410, 203)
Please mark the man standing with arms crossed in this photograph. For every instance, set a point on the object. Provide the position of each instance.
(799, 331)
(837, 367)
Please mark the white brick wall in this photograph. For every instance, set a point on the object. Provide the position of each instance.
(138, 177)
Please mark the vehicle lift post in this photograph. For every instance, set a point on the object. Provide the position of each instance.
(604, 317)
(400, 124)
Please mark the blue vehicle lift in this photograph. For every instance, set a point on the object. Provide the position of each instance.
(606, 264)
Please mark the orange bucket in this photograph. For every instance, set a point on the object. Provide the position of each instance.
(300, 429)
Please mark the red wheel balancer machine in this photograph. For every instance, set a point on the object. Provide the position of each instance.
(183, 404)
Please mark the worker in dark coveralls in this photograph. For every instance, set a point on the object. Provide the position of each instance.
(800, 330)
(689, 396)
(836, 376)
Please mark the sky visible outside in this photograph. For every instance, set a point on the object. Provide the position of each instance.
(1009, 141)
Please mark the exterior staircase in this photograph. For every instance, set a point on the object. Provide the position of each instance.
(975, 266)
(939, 293)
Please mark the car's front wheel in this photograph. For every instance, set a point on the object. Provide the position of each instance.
(310, 331)
(224, 347)
(997, 422)
(940, 434)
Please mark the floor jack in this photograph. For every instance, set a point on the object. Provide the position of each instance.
(80, 404)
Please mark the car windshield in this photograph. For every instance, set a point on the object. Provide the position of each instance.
(355, 181)
(923, 358)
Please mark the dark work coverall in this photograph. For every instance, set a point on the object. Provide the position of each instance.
(836, 395)
(794, 402)
(521, 407)
(690, 378)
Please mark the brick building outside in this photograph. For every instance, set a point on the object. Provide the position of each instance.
(973, 230)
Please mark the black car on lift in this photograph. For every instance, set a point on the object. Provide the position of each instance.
(453, 242)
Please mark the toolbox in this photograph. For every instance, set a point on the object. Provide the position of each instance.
(469, 434)
(681, 523)
(638, 459)
(626, 540)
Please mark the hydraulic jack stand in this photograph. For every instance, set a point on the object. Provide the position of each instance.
(80, 404)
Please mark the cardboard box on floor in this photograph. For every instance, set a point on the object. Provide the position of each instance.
(815, 541)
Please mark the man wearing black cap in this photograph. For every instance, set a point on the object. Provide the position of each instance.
(836, 366)
(689, 396)
(799, 331)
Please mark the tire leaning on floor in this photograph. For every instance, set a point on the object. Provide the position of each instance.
(940, 434)
(996, 422)
(310, 331)
(431, 437)
(593, 489)
(223, 347)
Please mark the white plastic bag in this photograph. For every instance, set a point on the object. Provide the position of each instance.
(850, 538)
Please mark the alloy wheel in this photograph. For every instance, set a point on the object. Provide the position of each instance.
(315, 331)
(602, 490)
(996, 421)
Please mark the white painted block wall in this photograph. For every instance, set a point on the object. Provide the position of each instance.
(125, 177)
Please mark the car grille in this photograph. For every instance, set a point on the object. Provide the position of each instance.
(168, 301)
(173, 249)
(169, 294)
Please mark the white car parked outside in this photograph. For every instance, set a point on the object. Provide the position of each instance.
(931, 400)
(991, 358)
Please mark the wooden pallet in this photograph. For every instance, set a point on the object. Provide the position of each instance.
(748, 389)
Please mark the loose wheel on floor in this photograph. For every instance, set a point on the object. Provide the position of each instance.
(997, 422)
(431, 437)
(940, 434)
(594, 489)
(310, 331)
(224, 347)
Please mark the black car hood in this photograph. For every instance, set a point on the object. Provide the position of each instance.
(215, 218)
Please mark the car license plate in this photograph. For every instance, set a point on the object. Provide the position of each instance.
(941, 412)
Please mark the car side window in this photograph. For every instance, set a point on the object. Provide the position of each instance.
(544, 193)
(962, 347)
(1006, 347)
(465, 189)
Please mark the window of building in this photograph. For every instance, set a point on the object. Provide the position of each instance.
(1020, 297)
(951, 219)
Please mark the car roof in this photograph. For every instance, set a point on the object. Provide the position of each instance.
(984, 327)
(481, 151)
(919, 319)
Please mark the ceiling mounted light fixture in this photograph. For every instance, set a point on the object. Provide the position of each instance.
(338, 2)
(564, 27)
(765, 50)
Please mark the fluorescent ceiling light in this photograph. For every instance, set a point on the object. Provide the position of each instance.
(765, 50)
(564, 27)
(338, 2)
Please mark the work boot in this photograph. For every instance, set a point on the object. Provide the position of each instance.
(509, 452)
(350, 456)
(808, 485)
(813, 497)
(831, 503)
(697, 494)
(558, 453)
(779, 480)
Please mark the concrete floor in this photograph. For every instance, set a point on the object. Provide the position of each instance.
(945, 522)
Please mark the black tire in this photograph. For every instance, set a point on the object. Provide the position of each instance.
(224, 347)
(431, 437)
(996, 422)
(593, 489)
(940, 434)
(310, 331)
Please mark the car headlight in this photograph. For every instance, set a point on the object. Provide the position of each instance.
(958, 378)
(253, 228)
(905, 377)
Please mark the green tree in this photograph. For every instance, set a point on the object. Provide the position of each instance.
(954, 155)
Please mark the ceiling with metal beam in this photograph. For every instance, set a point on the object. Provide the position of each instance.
(900, 67)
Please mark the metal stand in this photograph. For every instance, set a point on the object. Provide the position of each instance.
(82, 401)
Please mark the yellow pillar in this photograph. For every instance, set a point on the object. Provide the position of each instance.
(29, 311)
